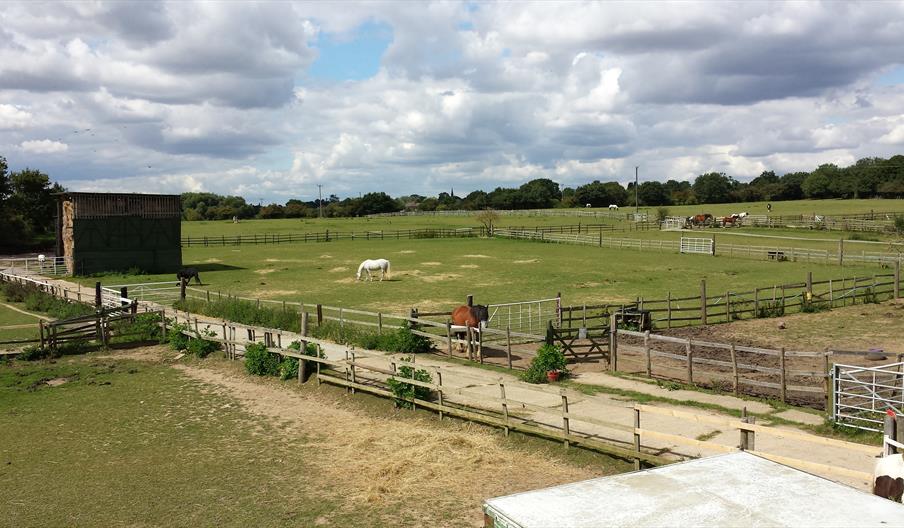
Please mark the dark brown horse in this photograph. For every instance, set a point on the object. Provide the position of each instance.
(469, 317)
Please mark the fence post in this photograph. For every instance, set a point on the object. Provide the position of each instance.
(613, 343)
(97, 297)
(470, 300)
(841, 252)
(470, 334)
(637, 437)
(703, 302)
(646, 349)
(688, 347)
(669, 309)
(743, 443)
(303, 325)
(889, 431)
(897, 287)
(182, 284)
(449, 337)
(826, 379)
(379, 322)
(728, 306)
(508, 345)
(565, 425)
(123, 294)
(505, 415)
(734, 367)
(783, 373)
(439, 390)
(41, 329)
(319, 315)
(354, 378)
(809, 286)
(559, 308)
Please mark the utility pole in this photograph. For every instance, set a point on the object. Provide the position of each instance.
(636, 208)
(320, 198)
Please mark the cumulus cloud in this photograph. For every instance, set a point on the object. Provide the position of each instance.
(132, 97)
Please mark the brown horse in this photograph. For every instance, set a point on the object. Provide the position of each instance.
(469, 317)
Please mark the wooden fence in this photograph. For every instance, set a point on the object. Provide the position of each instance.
(451, 397)
(771, 252)
(328, 236)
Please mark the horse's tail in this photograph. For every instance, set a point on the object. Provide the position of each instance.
(388, 269)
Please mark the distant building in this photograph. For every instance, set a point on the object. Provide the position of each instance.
(98, 232)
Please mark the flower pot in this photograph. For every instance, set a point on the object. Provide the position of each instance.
(552, 375)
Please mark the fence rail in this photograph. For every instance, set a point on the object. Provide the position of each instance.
(51, 266)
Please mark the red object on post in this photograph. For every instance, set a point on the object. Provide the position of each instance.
(552, 375)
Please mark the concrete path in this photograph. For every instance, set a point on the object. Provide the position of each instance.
(479, 387)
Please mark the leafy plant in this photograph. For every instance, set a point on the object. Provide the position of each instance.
(260, 362)
(662, 213)
(813, 306)
(200, 347)
(177, 338)
(549, 357)
(404, 392)
(771, 309)
(869, 297)
(288, 368)
(33, 353)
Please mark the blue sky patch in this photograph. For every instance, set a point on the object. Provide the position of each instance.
(892, 77)
(351, 58)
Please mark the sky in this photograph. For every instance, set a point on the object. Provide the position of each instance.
(268, 100)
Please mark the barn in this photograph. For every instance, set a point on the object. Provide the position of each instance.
(736, 489)
(99, 232)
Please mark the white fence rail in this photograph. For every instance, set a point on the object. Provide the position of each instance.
(862, 395)
(50, 266)
(702, 246)
(528, 317)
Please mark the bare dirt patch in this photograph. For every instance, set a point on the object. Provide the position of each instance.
(477, 256)
(266, 294)
(469, 266)
(407, 251)
(338, 269)
(439, 277)
(264, 271)
(213, 260)
(431, 263)
(528, 261)
(326, 256)
(438, 475)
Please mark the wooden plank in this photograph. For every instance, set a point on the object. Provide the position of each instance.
(815, 467)
(711, 446)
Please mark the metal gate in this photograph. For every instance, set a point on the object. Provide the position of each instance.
(527, 317)
(862, 395)
(705, 246)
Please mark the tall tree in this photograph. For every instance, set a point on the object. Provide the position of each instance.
(713, 187)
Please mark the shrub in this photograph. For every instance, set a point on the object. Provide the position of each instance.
(177, 339)
(260, 362)
(15, 292)
(200, 347)
(143, 327)
(404, 392)
(869, 297)
(33, 353)
(771, 309)
(662, 213)
(813, 306)
(288, 368)
(548, 357)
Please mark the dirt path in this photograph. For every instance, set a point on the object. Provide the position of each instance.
(37, 316)
(430, 473)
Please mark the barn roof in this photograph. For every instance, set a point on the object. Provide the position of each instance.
(737, 489)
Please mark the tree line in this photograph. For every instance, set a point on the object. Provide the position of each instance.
(867, 178)
(27, 207)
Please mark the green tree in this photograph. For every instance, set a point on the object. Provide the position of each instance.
(817, 185)
(599, 194)
(653, 193)
(713, 187)
(32, 198)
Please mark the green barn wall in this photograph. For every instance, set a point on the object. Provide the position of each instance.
(124, 242)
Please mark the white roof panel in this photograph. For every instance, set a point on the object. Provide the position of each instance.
(737, 489)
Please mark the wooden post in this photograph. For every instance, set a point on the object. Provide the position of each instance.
(479, 332)
(669, 309)
(439, 390)
(827, 379)
(182, 283)
(841, 252)
(897, 287)
(508, 345)
(123, 294)
(743, 433)
(449, 337)
(379, 322)
(636, 437)
(318, 372)
(505, 415)
(646, 349)
(319, 315)
(809, 286)
(354, 378)
(751, 436)
(688, 347)
(470, 300)
(302, 370)
(703, 302)
(728, 306)
(98, 301)
(784, 375)
(831, 295)
(734, 368)
(304, 324)
(565, 425)
(889, 431)
(41, 329)
(470, 335)
(613, 343)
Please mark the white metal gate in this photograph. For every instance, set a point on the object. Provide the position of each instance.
(527, 317)
(704, 246)
(862, 395)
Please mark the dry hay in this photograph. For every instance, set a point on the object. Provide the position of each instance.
(439, 277)
(346, 280)
(264, 271)
(407, 251)
(431, 263)
(285, 260)
(528, 261)
(469, 266)
(213, 260)
(266, 294)
(337, 269)
(437, 475)
(477, 256)
(326, 256)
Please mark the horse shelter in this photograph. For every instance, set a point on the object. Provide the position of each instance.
(98, 232)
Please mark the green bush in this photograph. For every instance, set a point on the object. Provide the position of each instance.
(260, 362)
(401, 339)
(548, 358)
(200, 347)
(15, 292)
(288, 368)
(813, 306)
(177, 339)
(771, 309)
(33, 353)
(869, 297)
(142, 328)
(404, 392)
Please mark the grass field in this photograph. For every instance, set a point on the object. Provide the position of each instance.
(126, 440)
(298, 225)
(437, 273)
(10, 317)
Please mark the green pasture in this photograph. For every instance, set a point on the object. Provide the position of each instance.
(11, 317)
(125, 443)
(311, 225)
(436, 273)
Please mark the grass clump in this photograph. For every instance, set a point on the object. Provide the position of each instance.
(179, 339)
(401, 339)
(548, 358)
(405, 392)
(770, 309)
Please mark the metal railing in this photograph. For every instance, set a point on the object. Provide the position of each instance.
(51, 266)
(863, 395)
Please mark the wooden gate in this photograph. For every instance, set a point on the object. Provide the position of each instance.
(583, 333)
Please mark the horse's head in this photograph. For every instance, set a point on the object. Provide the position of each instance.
(481, 312)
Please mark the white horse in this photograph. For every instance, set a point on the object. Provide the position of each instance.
(613, 207)
(373, 265)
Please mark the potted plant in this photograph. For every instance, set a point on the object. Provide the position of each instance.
(552, 375)
(547, 366)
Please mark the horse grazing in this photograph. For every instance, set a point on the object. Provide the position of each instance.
(613, 207)
(373, 265)
(469, 317)
(186, 274)
(701, 219)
